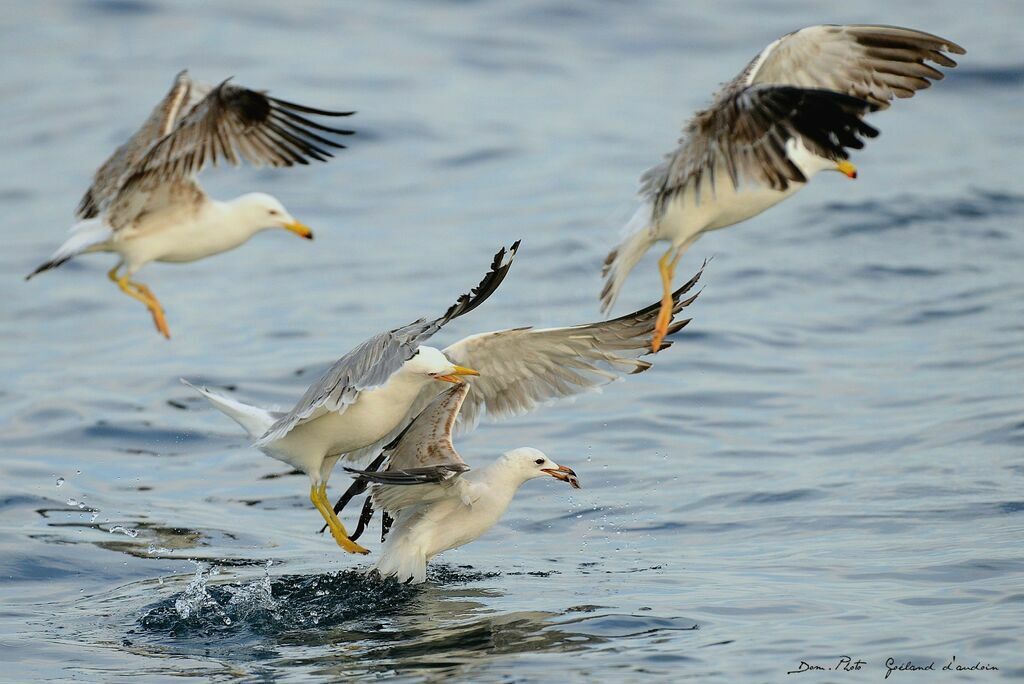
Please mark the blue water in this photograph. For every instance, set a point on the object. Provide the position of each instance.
(827, 463)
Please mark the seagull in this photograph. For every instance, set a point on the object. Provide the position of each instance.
(145, 203)
(792, 112)
(371, 394)
(360, 399)
(524, 368)
(436, 501)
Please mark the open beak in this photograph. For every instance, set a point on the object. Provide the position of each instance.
(847, 169)
(454, 375)
(564, 474)
(300, 229)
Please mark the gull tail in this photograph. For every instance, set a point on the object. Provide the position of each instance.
(638, 237)
(401, 560)
(254, 420)
(86, 236)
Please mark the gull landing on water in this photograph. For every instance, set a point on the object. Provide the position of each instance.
(792, 112)
(145, 203)
(436, 501)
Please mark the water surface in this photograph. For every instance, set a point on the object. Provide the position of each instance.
(827, 462)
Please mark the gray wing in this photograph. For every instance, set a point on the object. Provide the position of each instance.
(742, 137)
(374, 361)
(230, 123)
(523, 368)
(161, 121)
(875, 63)
(423, 465)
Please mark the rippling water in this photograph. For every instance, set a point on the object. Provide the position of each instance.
(828, 462)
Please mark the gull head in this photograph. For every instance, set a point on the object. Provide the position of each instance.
(433, 364)
(531, 463)
(262, 211)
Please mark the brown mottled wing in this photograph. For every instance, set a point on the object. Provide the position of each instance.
(161, 121)
(423, 465)
(874, 63)
(233, 123)
(742, 139)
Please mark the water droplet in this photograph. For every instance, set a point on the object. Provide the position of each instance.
(60, 481)
(72, 502)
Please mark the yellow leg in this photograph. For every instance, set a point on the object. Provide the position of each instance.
(667, 268)
(318, 495)
(142, 293)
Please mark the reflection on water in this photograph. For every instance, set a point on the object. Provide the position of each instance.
(383, 625)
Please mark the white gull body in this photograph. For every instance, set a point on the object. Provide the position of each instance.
(436, 501)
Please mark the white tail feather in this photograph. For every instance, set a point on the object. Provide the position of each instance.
(638, 236)
(254, 420)
(85, 237)
(404, 563)
(401, 556)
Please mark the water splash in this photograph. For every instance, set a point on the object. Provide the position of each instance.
(268, 605)
(60, 481)
(196, 596)
(127, 531)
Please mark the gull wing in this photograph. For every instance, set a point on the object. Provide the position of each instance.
(743, 137)
(161, 121)
(373, 362)
(523, 368)
(224, 123)
(423, 465)
(874, 63)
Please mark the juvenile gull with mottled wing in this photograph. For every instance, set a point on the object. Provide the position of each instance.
(145, 203)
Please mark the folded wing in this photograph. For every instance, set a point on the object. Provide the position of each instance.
(423, 465)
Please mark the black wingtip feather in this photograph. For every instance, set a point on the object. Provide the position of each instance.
(500, 266)
(308, 110)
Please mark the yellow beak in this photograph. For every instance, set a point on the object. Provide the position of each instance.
(299, 229)
(454, 375)
(847, 169)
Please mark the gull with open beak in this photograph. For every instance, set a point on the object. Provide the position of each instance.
(794, 111)
(145, 203)
(435, 501)
(361, 399)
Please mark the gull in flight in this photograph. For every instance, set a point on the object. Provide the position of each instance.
(145, 203)
(792, 112)
(524, 368)
(436, 502)
(360, 399)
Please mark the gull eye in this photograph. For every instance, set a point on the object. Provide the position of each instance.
(274, 212)
(539, 461)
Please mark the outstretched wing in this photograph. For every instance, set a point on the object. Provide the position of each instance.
(161, 121)
(374, 361)
(874, 63)
(423, 465)
(523, 368)
(233, 123)
(745, 137)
